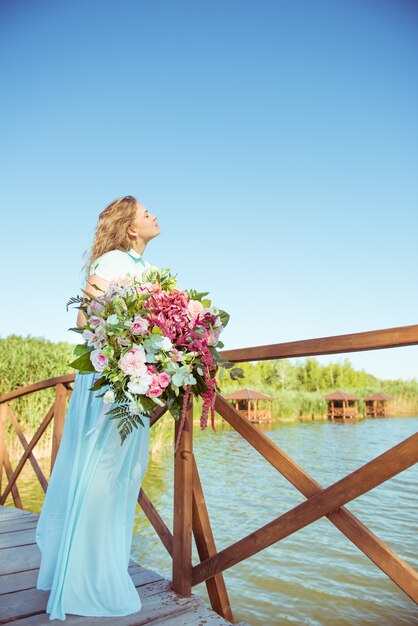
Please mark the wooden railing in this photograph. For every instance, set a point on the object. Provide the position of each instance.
(190, 512)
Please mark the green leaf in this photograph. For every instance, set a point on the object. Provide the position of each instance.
(224, 317)
(73, 300)
(158, 401)
(83, 363)
(89, 294)
(99, 383)
(236, 372)
(81, 349)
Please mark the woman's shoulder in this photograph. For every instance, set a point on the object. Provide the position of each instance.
(113, 254)
(107, 263)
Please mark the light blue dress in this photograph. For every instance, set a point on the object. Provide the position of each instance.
(84, 531)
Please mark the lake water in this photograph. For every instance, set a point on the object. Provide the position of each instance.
(316, 576)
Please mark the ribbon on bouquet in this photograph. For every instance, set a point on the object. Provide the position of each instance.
(100, 420)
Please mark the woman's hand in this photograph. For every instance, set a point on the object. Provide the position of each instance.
(102, 284)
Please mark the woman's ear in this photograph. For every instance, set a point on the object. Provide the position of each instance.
(131, 232)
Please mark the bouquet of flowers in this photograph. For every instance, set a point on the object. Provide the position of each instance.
(152, 344)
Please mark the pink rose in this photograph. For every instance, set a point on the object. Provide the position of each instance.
(164, 379)
(154, 391)
(195, 308)
(98, 359)
(133, 362)
(154, 378)
(139, 326)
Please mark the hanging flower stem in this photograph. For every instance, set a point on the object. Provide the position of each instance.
(183, 416)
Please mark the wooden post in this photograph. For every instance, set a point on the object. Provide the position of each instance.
(3, 414)
(206, 548)
(60, 406)
(183, 501)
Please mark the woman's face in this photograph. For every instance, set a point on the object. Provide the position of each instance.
(146, 223)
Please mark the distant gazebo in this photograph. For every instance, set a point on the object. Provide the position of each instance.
(341, 405)
(245, 401)
(376, 404)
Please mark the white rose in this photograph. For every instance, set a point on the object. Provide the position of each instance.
(109, 396)
(112, 319)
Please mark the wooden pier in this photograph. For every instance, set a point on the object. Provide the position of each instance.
(22, 604)
(172, 603)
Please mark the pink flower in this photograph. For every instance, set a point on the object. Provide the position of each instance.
(164, 379)
(98, 359)
(148, 288)
(195, 308)
(88, 336)
(94, 307)
(176, 354)
(154, 378)
(170, 309)
(133, 362)
(214, 336)
(100, 338)
(95, 321)
(139, 326)
(154, 391)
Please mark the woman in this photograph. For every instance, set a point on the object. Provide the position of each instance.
(85, 527)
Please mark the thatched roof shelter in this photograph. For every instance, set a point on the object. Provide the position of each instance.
(376, 404)
(340, 395)
(245, 401)
(248, 394)
(378, 396)
(341, 405)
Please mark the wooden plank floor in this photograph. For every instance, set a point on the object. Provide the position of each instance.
(22, 604)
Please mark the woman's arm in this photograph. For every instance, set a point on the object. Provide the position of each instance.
(102, 284)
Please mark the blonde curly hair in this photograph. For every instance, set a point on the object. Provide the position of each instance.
(111, 230)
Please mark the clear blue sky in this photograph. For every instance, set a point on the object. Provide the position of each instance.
(275, 140)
